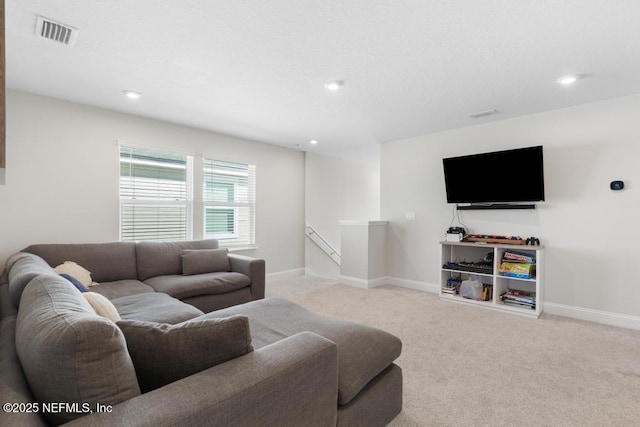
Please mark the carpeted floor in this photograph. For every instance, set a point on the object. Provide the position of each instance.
(467, 366)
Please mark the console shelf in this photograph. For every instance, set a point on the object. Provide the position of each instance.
(474, 252)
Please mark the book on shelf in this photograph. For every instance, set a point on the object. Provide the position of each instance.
(519, 304)
(518, 257)
(517, 270)
(519, 293)
(519, 298)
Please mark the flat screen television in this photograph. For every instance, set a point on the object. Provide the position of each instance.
(508, 176)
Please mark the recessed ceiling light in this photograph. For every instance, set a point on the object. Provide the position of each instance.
(568, 79)
(334, 85)
(132, 94)
(313, 142)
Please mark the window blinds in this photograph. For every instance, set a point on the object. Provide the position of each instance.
(155, 195)
(229, 202)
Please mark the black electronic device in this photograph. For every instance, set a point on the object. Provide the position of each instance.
(455, 234)
(533, 241)
(472, 267)
(457, 230)
(617, 185)
(508, 176)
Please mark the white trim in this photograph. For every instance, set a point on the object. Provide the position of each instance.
(414, 284)
(310, 272)
(353, 281)
(587, 314)
(225, 158)
(380, 281)
(285, 274)
(362, 283)
(363, 223)
(152, 146)
(240, 248)
(591, 315)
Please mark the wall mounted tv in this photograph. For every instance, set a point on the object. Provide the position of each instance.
(500, 179)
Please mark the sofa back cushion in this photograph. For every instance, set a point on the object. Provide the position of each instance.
(68, 353)
(107, 262)
(164, 258)
(201, 261)
(23, 267)
(164, 353)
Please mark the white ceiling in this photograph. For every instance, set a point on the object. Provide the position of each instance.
(256, 68)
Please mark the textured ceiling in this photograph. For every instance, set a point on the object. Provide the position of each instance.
(256, 68)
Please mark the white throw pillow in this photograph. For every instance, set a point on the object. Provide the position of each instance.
(77, 271)
(102, 306)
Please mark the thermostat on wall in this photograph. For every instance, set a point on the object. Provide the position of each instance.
(617, 185)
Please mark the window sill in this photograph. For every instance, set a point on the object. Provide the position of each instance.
(240, 248)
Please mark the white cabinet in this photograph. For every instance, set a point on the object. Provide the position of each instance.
(501, 292)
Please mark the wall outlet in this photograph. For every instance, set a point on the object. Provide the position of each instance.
(410, 216)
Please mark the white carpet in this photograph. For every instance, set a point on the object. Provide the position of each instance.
(473, 367)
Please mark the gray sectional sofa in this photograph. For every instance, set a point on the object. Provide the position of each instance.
(173, 355)
(128, 268)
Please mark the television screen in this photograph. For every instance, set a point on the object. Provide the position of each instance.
(497, 177)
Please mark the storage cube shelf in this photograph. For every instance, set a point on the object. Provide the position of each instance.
(468, 252)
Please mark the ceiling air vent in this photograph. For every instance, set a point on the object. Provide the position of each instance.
(55, 31)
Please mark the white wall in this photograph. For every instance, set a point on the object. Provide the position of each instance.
(335, 190)
(62, 177)
(590, 233)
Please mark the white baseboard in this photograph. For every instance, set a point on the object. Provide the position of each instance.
(285, 274)
(362, 283)
(394, 281)
(597, 316)
(414, 284)
(590, 315)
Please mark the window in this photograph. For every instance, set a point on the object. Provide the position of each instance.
(155, 195)
(229, 202)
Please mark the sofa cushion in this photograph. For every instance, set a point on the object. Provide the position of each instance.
(164, 353)
(154, 307)
(67, 352)
(6, 307)
(102, 306)
(13, 258)
(199, 261)
(76, 271)
(363, 351)
(183, 287)
(162, 258)
(24, 267)
(106, 261)
(121, 288)
(13, 384)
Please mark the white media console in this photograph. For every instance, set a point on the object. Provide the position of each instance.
(468, 252)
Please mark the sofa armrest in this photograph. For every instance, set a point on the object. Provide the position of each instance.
(252, 267)
(289, 383)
